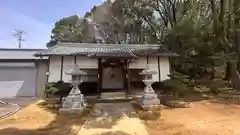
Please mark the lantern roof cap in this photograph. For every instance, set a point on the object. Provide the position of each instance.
(148, 71)
(75, 71)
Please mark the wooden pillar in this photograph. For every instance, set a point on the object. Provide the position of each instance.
(99, 75)
(159, 70)
(61, 74)
(75, 59)
(48, 66)
(127, 76)
(128, 79)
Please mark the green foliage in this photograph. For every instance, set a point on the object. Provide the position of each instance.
(180, 77)
(196, 30)
(58, 88)
(69, 29)
(63, 88)
(216, 86)
(176, 87)
(50, 89)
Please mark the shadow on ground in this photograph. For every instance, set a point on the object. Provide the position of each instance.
(113, 133)
(61, 125)
(118, 114)
(64, 124)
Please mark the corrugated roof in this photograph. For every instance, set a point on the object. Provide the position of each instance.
(111, 50)
(7, 53)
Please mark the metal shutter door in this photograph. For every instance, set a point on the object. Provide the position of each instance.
(13, 75)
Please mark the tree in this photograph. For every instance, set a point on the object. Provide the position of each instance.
(198, 30)
(71, 29)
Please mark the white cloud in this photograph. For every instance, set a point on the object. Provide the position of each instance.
(38, 33)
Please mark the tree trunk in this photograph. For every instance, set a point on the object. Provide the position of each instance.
(229, 18)
(237, 30)
(214, 17)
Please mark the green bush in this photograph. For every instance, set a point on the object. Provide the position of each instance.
(176, 87)
(216, 85)
(50, 89)
(63, 88)
(58, 88)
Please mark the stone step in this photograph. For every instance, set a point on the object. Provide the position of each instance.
(113, 95)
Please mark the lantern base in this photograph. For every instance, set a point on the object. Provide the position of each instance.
(73, 103)
(149, 98)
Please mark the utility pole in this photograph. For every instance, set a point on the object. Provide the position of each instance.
(19, 35)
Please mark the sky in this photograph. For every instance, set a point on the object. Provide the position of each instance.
(36, 18)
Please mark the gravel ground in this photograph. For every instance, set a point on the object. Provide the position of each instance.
(204, 118)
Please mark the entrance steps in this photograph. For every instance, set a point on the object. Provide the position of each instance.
(114, 96)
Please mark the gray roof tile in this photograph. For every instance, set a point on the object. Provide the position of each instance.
(106, 50)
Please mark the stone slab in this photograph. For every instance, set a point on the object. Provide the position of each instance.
(113, 95)
(113, 119)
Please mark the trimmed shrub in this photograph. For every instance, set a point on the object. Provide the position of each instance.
(58, 88)
(216, 85)
(50, 89)
(63, 88)
(176, 87)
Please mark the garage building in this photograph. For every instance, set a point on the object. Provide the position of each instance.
(22, 74)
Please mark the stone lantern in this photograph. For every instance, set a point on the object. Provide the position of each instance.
(74, 102)
(149, 98)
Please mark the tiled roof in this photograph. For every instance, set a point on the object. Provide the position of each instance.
(106, 50)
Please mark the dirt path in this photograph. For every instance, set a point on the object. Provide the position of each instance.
(205, 118)
(113, 119)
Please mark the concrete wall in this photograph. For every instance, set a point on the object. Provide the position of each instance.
(41, 77)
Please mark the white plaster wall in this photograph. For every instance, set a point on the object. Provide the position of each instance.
(68, 64)
(54, 68)
(153, 65)
(139, 63)
(86, 62)
(164, 68)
